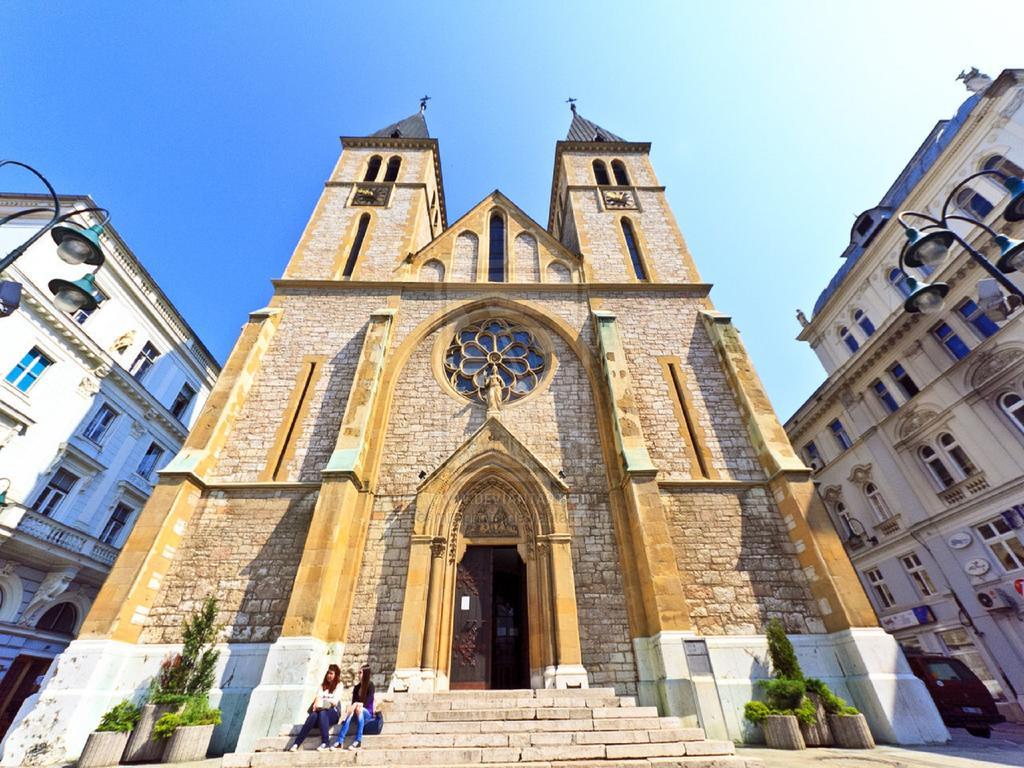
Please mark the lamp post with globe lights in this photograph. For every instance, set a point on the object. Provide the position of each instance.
(75, 245)
(929, 246)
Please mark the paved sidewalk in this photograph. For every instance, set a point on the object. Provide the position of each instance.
(1005, 748)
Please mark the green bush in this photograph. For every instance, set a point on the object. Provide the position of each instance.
(756, 711)
(780, 651)
(121, 718)
(783, 694)
(190, 673)
(833, 704)
(197, 711)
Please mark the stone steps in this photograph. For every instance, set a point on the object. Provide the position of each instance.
(580, 728)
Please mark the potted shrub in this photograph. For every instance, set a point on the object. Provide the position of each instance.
(106, 744)
(849, 727)
(187, 732)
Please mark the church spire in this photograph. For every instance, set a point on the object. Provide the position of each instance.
(582, 129)
(412, 127)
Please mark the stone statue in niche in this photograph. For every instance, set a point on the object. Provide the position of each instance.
(493, 397)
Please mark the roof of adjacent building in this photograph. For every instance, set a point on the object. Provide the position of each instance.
(938, 139)
(412, 127)
(582, 129)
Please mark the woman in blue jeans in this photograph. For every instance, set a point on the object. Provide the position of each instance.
(323, 711)
(361, 709)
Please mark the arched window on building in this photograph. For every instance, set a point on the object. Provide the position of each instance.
(619, 171)
(848, 339)
(973, 202)
(60, 619)
(394, 164)
(876, 502)
(1013, 406)
(899, 281)
(601, 174)
(1001, 163)
(634, 250)
(357, 246)
(496, 254)
(864, 322)
(373, 168)
(957, 455)
(936, 468)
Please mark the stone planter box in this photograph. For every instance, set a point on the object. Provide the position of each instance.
(783, 732)
(141, 746)
(188, 743)
(851, 732)
(103, 748)
(818, 734)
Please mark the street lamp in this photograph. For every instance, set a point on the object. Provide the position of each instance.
(929, 246)
(75, 245)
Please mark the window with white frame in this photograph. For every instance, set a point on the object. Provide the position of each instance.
(1013, 406)
(1003, 542)
(903, 380)
(1004, 165)
(144, 361)
(839, 433)
(99, 424)
(884, 396)
(57, 489)
(29, 369)
(973, 203)
(983, 325)
(81, 315)
(877, 502)
(901, 282)
(957, 455)
(918, 574)
(937, 470)
(951, 340)
(861, 319)
(813, 456)
(843, 514)
(848, 339)
(149, 460)
(182, 401)
(118, 521)
(880, 588)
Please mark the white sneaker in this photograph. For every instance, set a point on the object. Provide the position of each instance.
(322, 748)
(355, 745)
(293, 748)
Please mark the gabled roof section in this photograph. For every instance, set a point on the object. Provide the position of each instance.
(582, 129)
(497, 198)
(412, 127)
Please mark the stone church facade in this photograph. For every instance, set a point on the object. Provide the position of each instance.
(486, 454)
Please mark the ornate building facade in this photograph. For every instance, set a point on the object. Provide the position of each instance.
(487, 454)
(92, 404)
(917, 435)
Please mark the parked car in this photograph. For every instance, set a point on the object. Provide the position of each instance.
(961, 698)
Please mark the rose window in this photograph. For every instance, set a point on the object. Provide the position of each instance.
(491, 347)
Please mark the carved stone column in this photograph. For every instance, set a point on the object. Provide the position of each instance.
(568, 671)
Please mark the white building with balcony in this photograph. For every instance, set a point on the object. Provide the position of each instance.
(917, 434)
(92, 404)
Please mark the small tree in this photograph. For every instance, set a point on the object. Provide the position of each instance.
(191, 673)
(780, 650)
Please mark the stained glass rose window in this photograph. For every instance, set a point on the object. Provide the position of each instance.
(494, 346)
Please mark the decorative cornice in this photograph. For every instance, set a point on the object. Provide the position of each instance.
(692, 290)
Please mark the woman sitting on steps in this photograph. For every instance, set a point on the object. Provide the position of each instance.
(323, 711)
(361, 708)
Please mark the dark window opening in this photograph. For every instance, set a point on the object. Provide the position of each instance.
(601, 174)
(373, 168)
(634, 250)
(357, 245)
(496, 254)
(619, 171)
(60, 619)
(393, 165)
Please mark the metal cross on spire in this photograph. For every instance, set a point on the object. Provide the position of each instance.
(423, 103)
(572, 104)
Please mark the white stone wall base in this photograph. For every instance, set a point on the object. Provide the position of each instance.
(864, 666)
(91, 676)
(415, 680)
(566, 676)
(294, 668)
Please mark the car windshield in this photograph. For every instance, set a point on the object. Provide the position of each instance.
(943, 670)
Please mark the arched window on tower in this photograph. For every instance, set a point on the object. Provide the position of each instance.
(619, 171)
(601, 174)
(496, 253)
(848, 339)
(373, 168)
(634, 250)
(899, 281)
(357, 246)
(1000, 163)
(391, 174)
(864, 322)
(973, 202)
(1013, 406)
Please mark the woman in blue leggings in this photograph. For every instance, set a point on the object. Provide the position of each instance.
(323, 711)
(361, 709)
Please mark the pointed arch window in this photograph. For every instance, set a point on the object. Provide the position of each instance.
(634, 250)
(957, 455)
(394, 164)
(864, 322)
(848, 339)
(373, 168)
(936, 468)
(357, 246)
(899, 280)
(876, 502)
(619, 171)
(601, 174)
(1001, 163)
(496, 253)
(1013, 406)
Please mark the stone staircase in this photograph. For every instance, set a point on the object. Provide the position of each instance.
(579, 728)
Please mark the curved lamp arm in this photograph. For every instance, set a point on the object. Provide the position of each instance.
(963, 182)
(11, 257)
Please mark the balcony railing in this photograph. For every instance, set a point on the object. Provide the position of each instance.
(970, 486)
(888, 526)
(19, 519)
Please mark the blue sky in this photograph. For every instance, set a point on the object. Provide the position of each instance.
(209, 128)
